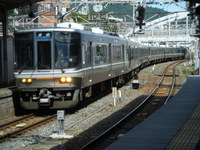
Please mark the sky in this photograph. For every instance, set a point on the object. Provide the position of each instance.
(169, 7)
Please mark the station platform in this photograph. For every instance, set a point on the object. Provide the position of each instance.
(175, 126)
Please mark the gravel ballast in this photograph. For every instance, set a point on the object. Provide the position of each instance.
(86, 122)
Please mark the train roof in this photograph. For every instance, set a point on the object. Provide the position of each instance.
(74, 27)
(88, 32)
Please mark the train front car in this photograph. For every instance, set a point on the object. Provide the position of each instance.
(48, 68)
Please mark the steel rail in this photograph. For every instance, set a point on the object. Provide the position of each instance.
(23, 130)
(173, 83)
(96, 139)
(13, 122)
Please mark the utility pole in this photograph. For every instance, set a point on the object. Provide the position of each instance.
(134, 19)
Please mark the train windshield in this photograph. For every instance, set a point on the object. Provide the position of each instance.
(67, 50)
(24, 51)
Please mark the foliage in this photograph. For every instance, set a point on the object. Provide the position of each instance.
(120, 10)
(188, 70)
(77, 17)
(11, 12)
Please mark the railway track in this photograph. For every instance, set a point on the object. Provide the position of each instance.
(15, 121)
(28, 118)
(23, 126)
(73, 127)
(141, 111)
(173, 81)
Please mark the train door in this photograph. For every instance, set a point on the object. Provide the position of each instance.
(129, 50)
(87, 63)
(110, 59)
(44, 56)
(123, 58)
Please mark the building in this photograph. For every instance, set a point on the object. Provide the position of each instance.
(45, 13)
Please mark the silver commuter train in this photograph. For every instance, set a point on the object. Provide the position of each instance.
(58, 67)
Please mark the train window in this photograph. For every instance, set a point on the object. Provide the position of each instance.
(24, 56)
(67, 50)
(43, 35)
(137, 53)
(44, 55)
(132, 53)
(101, 56)
(117, 53)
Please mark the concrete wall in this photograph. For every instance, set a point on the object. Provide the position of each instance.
(6, 104)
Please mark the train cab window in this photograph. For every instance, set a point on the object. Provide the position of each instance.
(24, 56)
(67, 50)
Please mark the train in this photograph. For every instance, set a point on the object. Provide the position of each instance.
(62, 66)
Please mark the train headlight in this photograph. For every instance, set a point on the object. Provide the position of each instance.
(23, 80)
(29, 80)
(62, 79)
(26, 80)
(69, 79)
(65, 79)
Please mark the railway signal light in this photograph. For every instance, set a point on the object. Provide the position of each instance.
(141, 12)
(191, 5)
(140, 17)
(191, 8)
